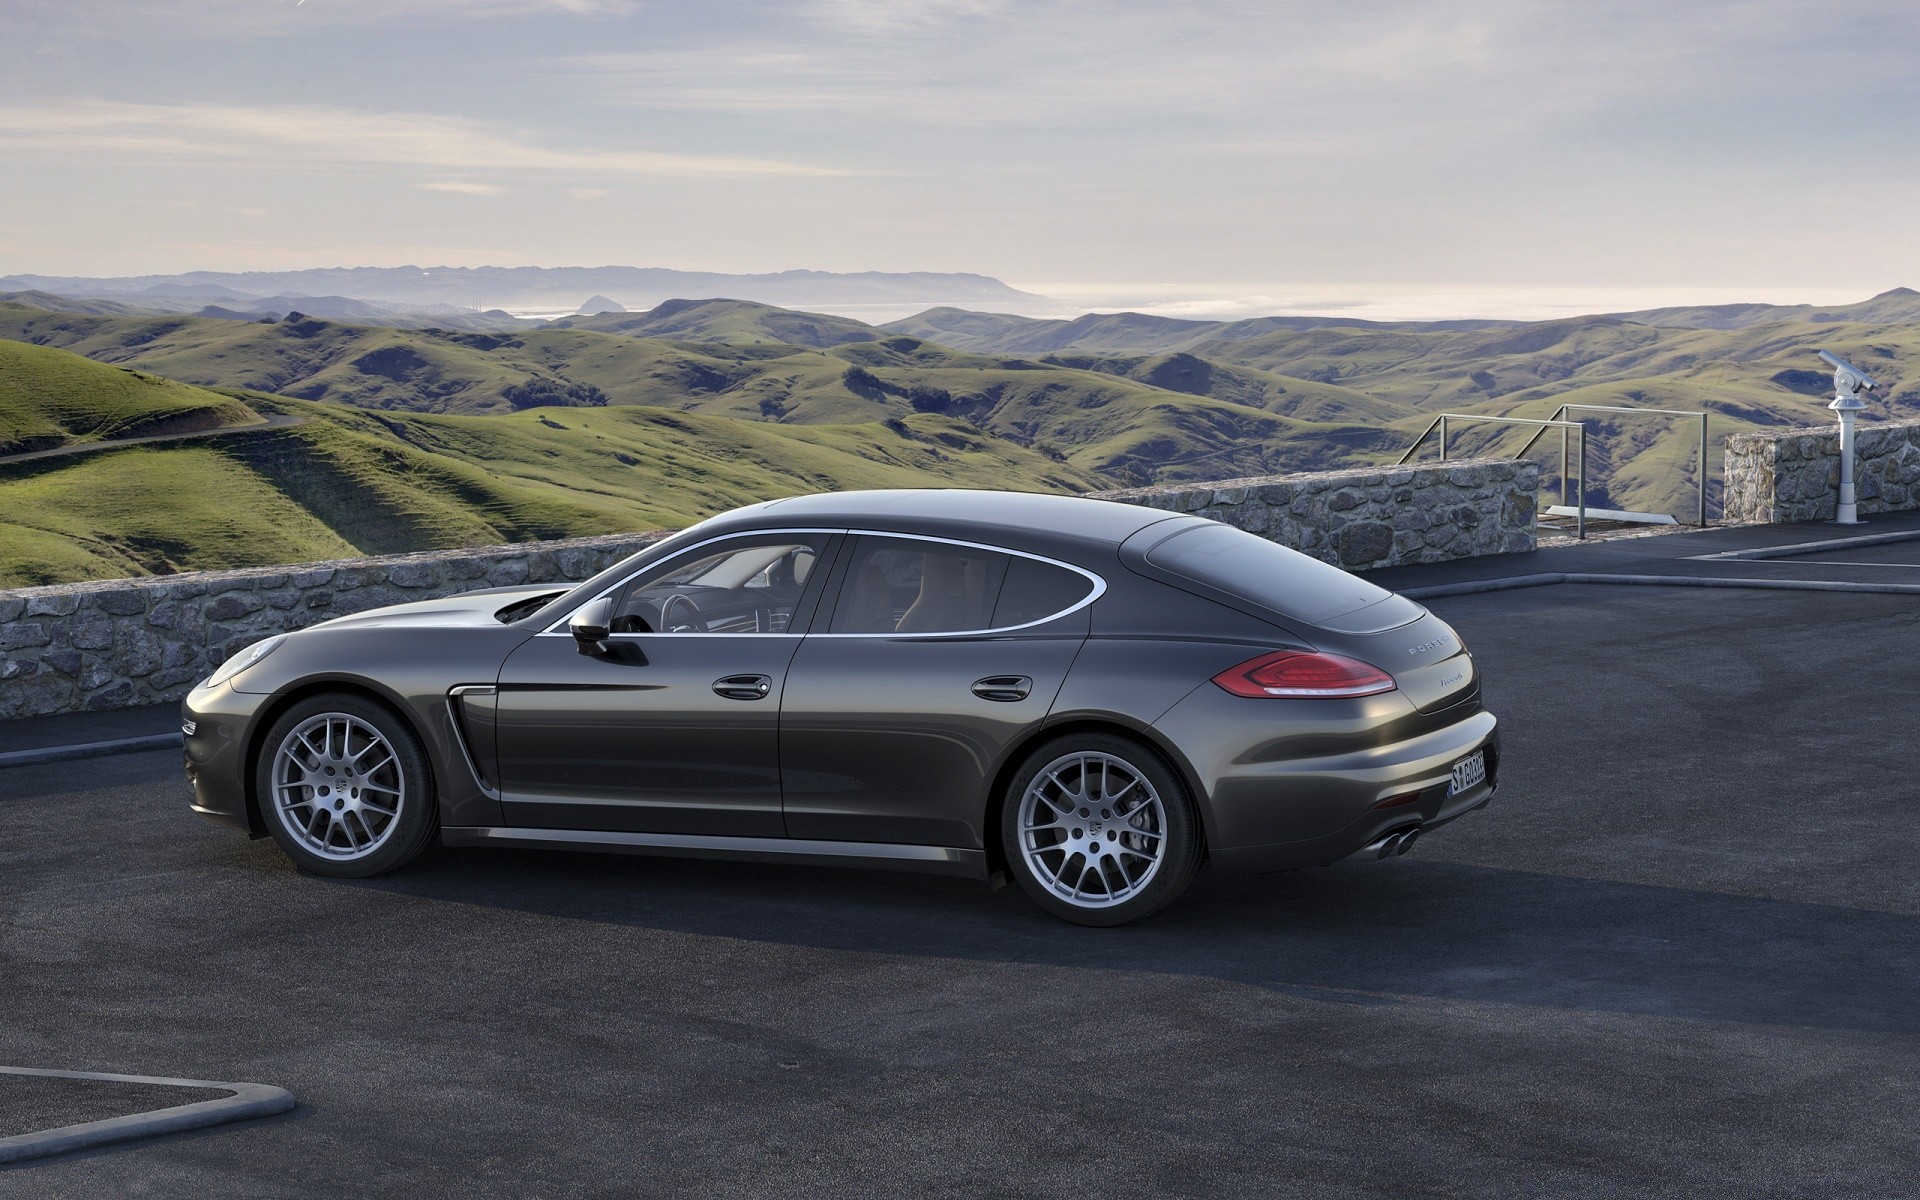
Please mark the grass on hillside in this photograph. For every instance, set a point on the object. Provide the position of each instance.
(151, 510)
(349, 482)
(50, 398)
(738, 322)
(1262, 396)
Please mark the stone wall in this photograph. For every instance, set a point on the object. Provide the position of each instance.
(1785, 476)
(127, 642)
(1374, 516)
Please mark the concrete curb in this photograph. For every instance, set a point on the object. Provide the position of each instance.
(1477, 586)
(1799, 548)
(248, 1100)
(48, 754)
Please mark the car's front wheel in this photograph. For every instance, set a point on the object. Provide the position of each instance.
(345, 787)
(1099, 830)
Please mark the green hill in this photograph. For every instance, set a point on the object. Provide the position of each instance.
(739, 321)
(1898, 306)
(347, 481)
(1099, 420)
(76, 304)
(49, 398)
(1128, 398)
(1124, 332)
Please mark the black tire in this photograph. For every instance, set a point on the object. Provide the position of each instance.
(1100, 842)
(350, 811)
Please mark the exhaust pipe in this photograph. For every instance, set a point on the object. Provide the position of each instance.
(1388, 845)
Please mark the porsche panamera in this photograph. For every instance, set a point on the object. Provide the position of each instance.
(1092, 699)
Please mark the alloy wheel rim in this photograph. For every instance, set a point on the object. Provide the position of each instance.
(1093, 829)
(338, 786)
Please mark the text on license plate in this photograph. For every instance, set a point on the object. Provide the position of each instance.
(1468, 773)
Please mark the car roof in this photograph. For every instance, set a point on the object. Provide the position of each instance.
(933, 510)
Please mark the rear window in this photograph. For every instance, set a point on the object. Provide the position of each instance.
(1253, 568)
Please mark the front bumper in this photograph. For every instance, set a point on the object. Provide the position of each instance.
(214, 723)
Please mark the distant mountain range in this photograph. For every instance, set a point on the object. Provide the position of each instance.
(536, 288)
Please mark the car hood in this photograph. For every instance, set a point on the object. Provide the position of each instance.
(464, 609)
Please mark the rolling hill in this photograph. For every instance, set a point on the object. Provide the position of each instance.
(250, 308)
(1898, 306)
(348, 481)
(1102, 421)
(1123, 332)
(734, 321)
(49, 398)
(1121, 398)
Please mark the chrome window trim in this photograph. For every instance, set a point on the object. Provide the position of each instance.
(1099, 588)
(559, 629)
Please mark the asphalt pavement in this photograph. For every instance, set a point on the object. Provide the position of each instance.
(1676, 956)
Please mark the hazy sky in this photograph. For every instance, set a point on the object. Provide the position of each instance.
(1768, 147)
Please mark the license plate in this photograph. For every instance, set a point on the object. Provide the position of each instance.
(1468, 773)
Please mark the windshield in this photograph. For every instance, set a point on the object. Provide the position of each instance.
(1253, 568)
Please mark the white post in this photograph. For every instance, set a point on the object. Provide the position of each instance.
(1848, 511)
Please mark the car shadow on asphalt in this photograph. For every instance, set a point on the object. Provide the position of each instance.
(1403, 932)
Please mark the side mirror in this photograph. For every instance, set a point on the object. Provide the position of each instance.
(589, 625)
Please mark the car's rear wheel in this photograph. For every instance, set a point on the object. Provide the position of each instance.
(1099, 830)
(345, 787)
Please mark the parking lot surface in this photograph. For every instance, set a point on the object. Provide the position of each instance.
(1678, 955)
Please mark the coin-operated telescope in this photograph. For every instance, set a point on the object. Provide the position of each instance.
(1850, 385)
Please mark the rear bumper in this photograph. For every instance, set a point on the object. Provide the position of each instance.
(216, 754)
(1317, 811)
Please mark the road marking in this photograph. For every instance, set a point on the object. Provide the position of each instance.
(1827, 562)
(247, 1100)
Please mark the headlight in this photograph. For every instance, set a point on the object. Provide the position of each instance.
(241, 661)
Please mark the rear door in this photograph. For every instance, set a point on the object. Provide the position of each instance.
(934, 658)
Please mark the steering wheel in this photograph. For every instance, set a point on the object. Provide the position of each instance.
(679, 614)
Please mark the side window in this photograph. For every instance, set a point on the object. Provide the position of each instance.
(1036, 590)
(749, 586)
(904, 585)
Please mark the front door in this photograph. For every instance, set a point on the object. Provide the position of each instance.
(675, 727)
(937, 658)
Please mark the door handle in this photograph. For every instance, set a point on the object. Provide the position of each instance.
(743, 687)
(1004, 688)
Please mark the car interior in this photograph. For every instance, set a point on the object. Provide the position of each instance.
(902, 587)
(751, 590)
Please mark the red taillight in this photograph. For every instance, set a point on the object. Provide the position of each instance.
(1302, 674)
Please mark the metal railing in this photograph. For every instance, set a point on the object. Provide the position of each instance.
(1440, 423)
(1560, 414)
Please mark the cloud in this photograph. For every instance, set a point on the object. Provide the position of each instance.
(877, 16)
(460, 187)
(314, 135)
(1395, 70)
(589, 193)
(251, 18)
